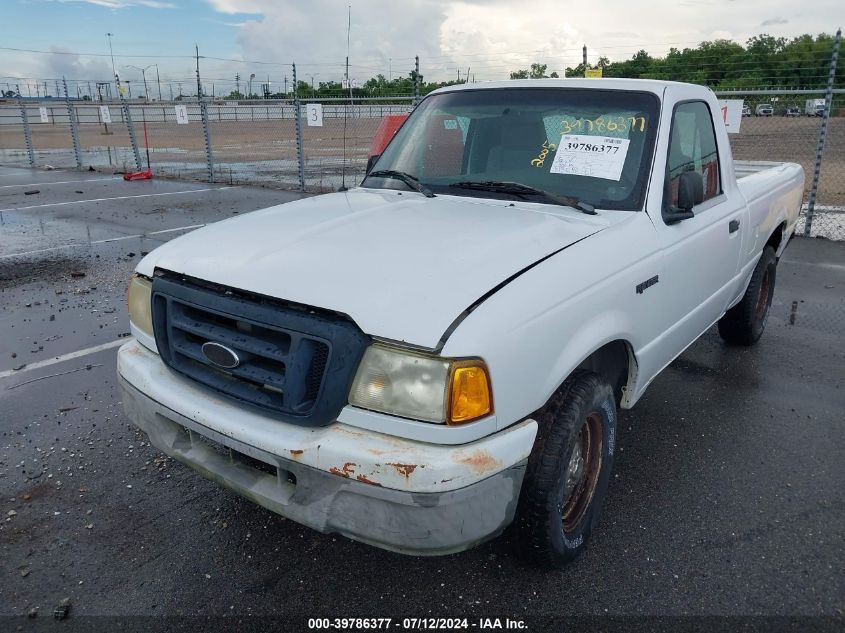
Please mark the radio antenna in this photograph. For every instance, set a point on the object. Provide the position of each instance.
(346, 105)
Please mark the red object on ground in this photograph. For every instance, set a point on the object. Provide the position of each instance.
(389, 125)
(139, 175)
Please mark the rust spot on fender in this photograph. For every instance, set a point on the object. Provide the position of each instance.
(479, 462)
(296, 453)
(334, 470)
(364, 479)
(404, 469)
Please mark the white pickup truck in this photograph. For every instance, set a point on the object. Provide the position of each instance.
(422, 360)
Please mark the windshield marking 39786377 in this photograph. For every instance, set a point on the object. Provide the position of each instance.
(590, 146)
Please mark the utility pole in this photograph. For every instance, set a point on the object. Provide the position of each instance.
(348, 82)
(238, 84)
(199, 82)
(416, 79)
(111, 53)
(584, 53)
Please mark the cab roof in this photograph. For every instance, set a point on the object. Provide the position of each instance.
(642, 85)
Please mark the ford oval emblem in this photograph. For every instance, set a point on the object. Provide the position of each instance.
(220, 355)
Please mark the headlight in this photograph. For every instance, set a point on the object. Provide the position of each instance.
(140, 303)
(422, 387)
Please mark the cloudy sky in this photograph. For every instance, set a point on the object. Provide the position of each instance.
(491, 37)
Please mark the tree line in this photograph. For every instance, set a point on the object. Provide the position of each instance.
(765, 61)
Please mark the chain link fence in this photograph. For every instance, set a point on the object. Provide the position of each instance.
(259, 142)
(253, 142)
(785, 126)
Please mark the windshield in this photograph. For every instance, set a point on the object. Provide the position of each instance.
(588, 144)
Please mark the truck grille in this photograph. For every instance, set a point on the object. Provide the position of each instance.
(294, 362)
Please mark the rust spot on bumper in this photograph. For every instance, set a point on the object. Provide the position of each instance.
(347, 470)
(296, 453)
(404, 469)
(364, 479)
(480, 462)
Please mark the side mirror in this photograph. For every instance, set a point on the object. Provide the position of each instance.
(371, 161)
(690, 190)
(690, 193)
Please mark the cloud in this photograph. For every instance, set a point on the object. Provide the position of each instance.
(774, 22)
(241, 6)
(314, 35)
(123, 4)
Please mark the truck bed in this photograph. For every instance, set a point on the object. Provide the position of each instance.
(773, 191)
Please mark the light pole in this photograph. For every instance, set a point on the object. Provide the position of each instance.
(251, 77)
(312, 81)
(144, 76)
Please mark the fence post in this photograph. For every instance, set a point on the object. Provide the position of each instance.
(416, 79)
(209, 154)
(828, 100)
(130, 126)
(74, 132)
(26, 132)
(300, 156)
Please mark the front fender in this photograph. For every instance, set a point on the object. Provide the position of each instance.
(536, 330)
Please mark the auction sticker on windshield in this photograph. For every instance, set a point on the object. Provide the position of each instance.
(594, 156)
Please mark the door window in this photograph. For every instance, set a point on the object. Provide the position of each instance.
(692, 148)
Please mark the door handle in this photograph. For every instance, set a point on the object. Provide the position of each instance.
(733, 226)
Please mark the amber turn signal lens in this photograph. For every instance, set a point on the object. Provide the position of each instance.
(470, 396)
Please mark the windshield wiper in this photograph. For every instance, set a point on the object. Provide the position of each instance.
(405, 177)
(518, 189)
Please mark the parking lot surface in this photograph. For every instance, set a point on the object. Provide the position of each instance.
(727, 496)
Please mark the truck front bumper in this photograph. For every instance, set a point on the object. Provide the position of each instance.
(355, 497)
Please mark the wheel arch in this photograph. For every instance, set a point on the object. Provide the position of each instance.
(616, 363)
(777, 239)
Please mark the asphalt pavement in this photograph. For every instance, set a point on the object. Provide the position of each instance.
(727, 497)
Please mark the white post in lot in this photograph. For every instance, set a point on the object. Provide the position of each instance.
(828, 100)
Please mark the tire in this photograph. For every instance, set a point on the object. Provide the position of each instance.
(744, 323)
(559, 508)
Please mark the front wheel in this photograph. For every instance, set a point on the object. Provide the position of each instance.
(744, 323)
(568, 471)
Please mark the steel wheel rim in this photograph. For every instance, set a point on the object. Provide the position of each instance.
(582, 473)
(763, 297)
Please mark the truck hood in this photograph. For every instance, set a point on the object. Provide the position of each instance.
(402, 266)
